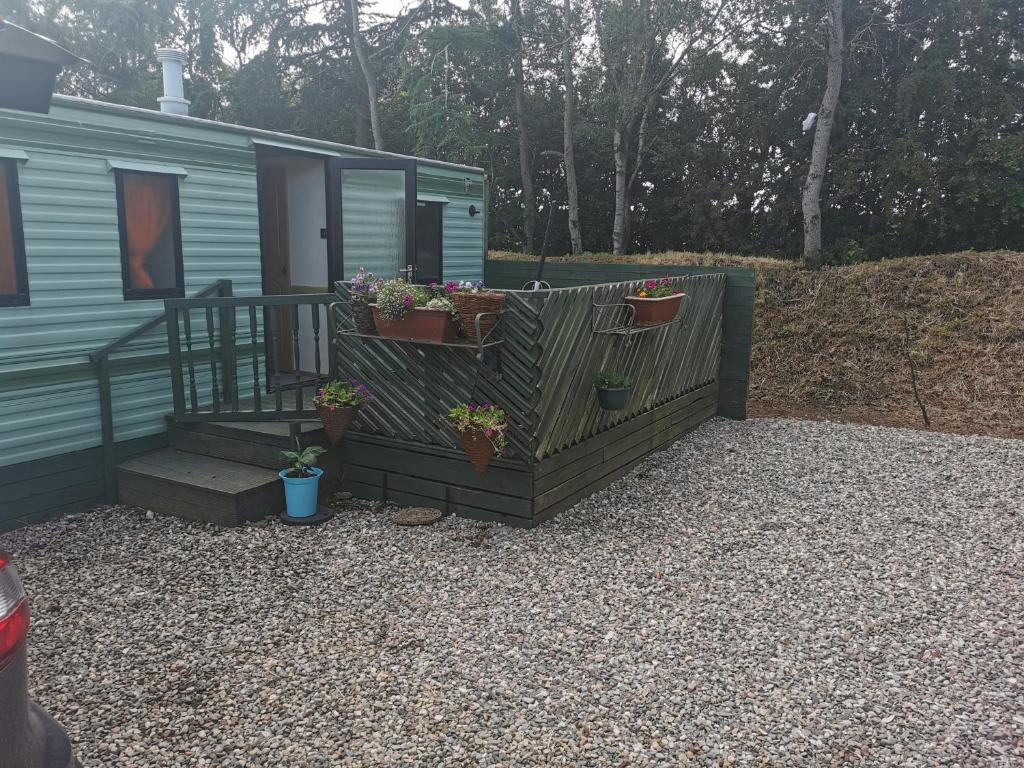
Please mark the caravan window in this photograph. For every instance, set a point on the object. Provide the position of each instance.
(150, 226)
(13, 277)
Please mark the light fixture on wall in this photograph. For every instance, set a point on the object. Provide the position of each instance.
(473, 211)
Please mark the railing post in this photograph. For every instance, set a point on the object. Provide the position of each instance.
(174, 360)
(228, 351)
(107, 429)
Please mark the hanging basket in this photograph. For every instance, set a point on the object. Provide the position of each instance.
(362, 315)
(648, 312)
(478, 448)
(336, 420)
(469, 305)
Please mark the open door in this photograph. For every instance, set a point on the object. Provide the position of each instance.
(371, 217)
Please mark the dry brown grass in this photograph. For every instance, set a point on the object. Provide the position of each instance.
(681, 258)
(832, 344)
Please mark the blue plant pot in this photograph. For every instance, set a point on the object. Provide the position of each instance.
(300, 493)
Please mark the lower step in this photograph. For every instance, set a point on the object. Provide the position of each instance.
(201, 488)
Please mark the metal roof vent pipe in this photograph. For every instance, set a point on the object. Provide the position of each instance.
(173, 101)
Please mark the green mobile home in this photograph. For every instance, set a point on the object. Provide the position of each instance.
(107, 210)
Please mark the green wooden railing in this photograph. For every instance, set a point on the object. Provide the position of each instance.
(100, 361)
(251, 374)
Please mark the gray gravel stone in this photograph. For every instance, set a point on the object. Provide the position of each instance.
(770, 593)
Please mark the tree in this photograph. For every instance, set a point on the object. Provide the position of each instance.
(359, 47)
(822, 135)
(515, 21)
(569, 120)
(644, 45)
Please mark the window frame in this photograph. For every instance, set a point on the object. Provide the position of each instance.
(20, 298)
(142, 294)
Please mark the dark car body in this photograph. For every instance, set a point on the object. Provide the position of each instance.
(29, 737)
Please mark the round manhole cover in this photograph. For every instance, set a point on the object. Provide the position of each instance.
(417, 516)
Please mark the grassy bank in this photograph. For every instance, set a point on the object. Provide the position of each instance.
(847, 343)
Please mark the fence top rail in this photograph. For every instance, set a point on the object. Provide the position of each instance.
(283, 300)
(218, 287)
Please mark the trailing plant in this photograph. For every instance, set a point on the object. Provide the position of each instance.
(364, 284)
(440, 302)
(483, 417)
(301, 461)
(343, 394)
(606, 380)
(395, 298)
(466, 286)
(656, 289)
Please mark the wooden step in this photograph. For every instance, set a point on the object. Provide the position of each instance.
(258, 443)
(200, 487)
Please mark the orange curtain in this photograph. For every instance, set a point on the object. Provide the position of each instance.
(8, 277)
(147, 209)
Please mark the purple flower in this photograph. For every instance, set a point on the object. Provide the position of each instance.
(451, 286)
(488, 431)
(407, 300)
(666, 281)
(650, 285)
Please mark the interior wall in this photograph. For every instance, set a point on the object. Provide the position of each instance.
(307, 215)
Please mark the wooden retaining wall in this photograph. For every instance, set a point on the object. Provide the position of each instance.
(563, 446)
(737, 315)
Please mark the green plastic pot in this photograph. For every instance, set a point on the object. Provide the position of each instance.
(613, 399)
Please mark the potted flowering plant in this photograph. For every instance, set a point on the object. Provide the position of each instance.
(472, 299)
(613, 390)
(414, 312)
(655, 302)
(362, 292)
(301, 481)
(482, 430)
(337, 403)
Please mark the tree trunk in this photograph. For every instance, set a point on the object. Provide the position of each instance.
(822, 136)
(619, 225)
(525, 159)
(371, 80)
(568, 154)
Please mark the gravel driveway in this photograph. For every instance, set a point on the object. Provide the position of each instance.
(769, 592)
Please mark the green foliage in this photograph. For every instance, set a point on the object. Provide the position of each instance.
(343, 394)
(484, 417)
(607, 380)
(301, 461)
(927, 151)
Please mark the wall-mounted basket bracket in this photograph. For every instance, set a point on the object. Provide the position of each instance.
(618, 320)
(487, 350)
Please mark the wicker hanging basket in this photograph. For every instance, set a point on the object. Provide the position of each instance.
(478, 447)
(469, 305)
(362, 315)
(336, 420)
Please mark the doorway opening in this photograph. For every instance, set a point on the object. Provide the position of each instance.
(291, 187)
(429, 242)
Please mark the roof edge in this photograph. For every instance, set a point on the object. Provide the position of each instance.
(152, 114)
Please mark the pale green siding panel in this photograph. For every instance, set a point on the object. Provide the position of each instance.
(74, 267)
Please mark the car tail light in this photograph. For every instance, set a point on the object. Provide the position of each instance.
(13, 610)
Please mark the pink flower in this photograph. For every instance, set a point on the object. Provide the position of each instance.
(666, 281)
(650, 284)
(488, 431)
(407, 300)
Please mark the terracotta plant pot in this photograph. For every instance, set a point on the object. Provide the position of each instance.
(478, 447)
(419, 324)
(469, 305)
(362, 316)
(336, 420)
(654, 311)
